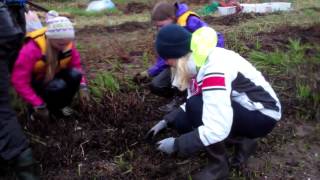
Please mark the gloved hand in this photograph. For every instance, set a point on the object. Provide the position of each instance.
(84, 95)
(156, 129)
(41, 113)
(167, 145)
(142, 76)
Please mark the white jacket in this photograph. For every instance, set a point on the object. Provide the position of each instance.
(227, 77)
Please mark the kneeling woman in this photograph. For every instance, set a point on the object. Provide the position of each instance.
(48, 72)
(229, 101)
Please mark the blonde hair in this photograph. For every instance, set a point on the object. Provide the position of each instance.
(51, 61)
(181, 74)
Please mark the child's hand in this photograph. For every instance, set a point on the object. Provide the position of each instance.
(141, 77)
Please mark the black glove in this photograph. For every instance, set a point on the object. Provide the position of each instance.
(41, 113)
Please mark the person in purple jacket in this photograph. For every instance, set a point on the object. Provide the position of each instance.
(163, 14)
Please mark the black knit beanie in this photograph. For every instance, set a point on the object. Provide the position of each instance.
(173, 41)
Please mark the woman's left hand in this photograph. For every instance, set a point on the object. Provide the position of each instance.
(167, 145)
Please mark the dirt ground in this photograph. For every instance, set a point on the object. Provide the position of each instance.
(279, 38)
(230, 20)
(105, 140)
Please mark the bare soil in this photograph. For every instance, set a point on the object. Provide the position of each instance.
(231, 20)
(135, 7)
(279, 38)
(122, 28)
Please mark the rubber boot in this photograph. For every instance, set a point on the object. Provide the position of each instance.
(217, 169)
(244, 148)
(25, 167)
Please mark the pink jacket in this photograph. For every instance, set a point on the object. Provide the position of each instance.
(22, 72)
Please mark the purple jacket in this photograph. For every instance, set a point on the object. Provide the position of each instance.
(193, 23)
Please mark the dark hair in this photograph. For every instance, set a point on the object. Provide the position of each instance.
(162, 11)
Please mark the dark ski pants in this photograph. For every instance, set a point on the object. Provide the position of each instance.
(249, 124)
(59, 92)
(161, 84)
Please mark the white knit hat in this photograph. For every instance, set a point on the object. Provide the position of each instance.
(60, 28)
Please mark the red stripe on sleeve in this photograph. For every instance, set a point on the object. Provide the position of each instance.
(213, 81)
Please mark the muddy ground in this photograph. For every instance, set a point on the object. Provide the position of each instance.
(105, 140)
(230, 20)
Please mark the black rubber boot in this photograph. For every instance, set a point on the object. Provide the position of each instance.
(25, 167)
(244, 148)
(217, 169)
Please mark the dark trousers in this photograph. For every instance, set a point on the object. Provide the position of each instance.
(12, 139)
(250, 124)
(59, 92)
(161, 84)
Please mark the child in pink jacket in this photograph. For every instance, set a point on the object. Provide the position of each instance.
(48, 72)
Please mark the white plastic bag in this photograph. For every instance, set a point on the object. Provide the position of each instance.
(100, 5)
(266, 7)
(224, 11)
(32, 21)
